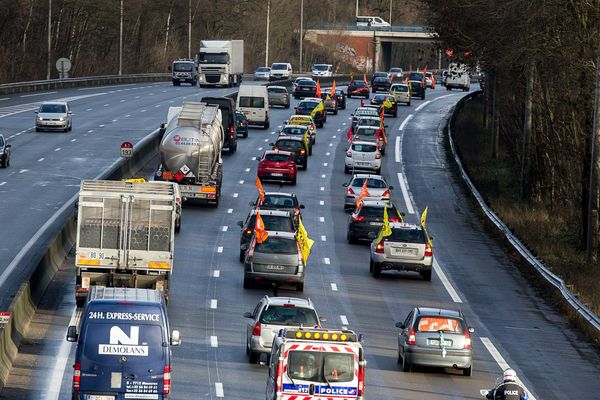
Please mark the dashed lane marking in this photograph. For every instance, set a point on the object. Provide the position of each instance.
(247, 169)
(326, 261)
(220, 249)
(236, 195)
(323, 238)
(449, 288)
(241, 182)
(321, 203)
(214, 342)
(73, 140)
(219, 389)
(23, 171)
(2, 183)
(322, 188)
(41, 159)
(224, 228)
(397, 149)
(229, 211)
(216, 273)
(334, 287)
(321, 219)
(213, 304)
(57, 149)
(324, 164)
(405, 195)
(344, 320)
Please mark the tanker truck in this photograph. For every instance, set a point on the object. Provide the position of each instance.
(190, 151)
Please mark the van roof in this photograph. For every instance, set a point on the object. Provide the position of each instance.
(112, 294)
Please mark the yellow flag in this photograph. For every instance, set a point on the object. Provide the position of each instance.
(386, 230)
(304, 241)
(387, 103)
(424, 216)
(317, 109)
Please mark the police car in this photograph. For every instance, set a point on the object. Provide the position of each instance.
(316, 364)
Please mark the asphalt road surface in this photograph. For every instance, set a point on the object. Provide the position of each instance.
(513, 326)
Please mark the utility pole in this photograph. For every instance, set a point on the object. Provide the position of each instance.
(357, 8)
(190, 29)
(267, 44)
(390, 12)
(594, 196)
(527, 127)
(49, 64)
(121, 41)
(301, 32)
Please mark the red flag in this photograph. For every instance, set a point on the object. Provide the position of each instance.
(259, 229)
(381, 115)
(406, 80)
(365, 78)
(332, 92)
(363, 193)
(362, 103)
(318, 89)
(261, 191)
(349, 134)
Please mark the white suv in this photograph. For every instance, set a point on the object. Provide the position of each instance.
(280, 71)
(363, 156)
(272, 314)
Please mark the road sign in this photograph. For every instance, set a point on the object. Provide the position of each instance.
(126, 150)
(4, 317)
(63, 65)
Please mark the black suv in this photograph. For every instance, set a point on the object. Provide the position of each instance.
(369, 219)
(281, 201)
(227, 107)
(4, 153)
(296, 145)
(381, 84)
(417, 89)
(305, 88)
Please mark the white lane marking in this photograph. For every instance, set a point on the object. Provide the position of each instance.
(230, 210)
(328, 154)
(101, 126)
(128, 115)
(501, 361)
(397, 149)
(272, 133)
(321, 203)
(106, 105)
(322, 188)
(156, 106)
(213, 303)
(57, 149)
(260, 149)
(90, 131)
(73, 140)
(422, 105)
(219, 389)
(449, 288)
(321, 219)
(41, 159)
(339, 129)
(324, 164)
(266, 140)
(344, 320)
(60, 365)
(326, 261)
(122, 101)
(89, 109)
(114, 120)
(343, 123)
(23, 170)
(334, 136)
(330, 144)
(214, 342)
(224, 228)
(2, 183)
(323, 176)
(220, 249)
(36, 94)
(247, 169)
(235, 194)
(5, 98)
(216, 273)
(253, 158)
(333, 287)
(241, 182)
(403, 124)
(403, 185)
(323, 238)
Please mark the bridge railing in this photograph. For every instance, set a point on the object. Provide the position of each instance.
(354, 27)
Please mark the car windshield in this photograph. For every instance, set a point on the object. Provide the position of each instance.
(376, 74)
(417, 76)
(438, 323)
(339, 92)
(399, 88)
(308, 105)
(185, 67)
(289, 315)
(307, 83)
(276, 90)
(53, 108)
(273, 223)
(360, 84)
(289, 144)
(371, 183)
(252, 102)
(320, 67)
(366, 112)
(376, 212)
(317, 366)
(279, 66)
(380, 98)
(213, 58)
(239, 117)
(277, 245)
(366, 131)
(396, 70)
(381, 79)
(279, 201)
(365, 148)
(405, 235)
(277, 157)
(294, 130)
(416, 85)
(263, 69)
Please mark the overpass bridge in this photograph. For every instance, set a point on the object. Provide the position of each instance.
(371, 46)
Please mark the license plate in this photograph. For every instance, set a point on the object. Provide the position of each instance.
(189, 188)
(411, 252)
(274, 267)
(362, 163)
(276, 174)
(99, 397)
(376, 223)
(436, 342)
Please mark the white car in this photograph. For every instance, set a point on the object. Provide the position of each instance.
(363, 156)
(262, 73)
(401, 92)
(281, 71)
(320, 70)
(55, 115)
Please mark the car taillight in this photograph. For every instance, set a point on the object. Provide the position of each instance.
(394, 220)
(379, 248)
(428, 250)
(349, 191)
(349, 154)
(256, 330)
(411, 338)
(357, 218)
(167, 380)
(386, 194)
(467, 340)
(377, 156)
(302, 151)
(231, 131)
(76, 377)
(361, 380)
(248, 232)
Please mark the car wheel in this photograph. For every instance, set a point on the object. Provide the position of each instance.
(350, 237)
(468, 371)
(305, 165)
(371, 266)
(335, 111)
(266, 125)
(376, 270)
(346, 170)
(310, 151)
(37, 129)
(242, 255)
(245, 134)
(293, 182)
(177, 224)
(406, 366)
(382, 151)
(4, 164)
(253, 357)
(399, 358)
(408, 104)
(349, 96)
(426, 275)
(300, 287)
(247, 282)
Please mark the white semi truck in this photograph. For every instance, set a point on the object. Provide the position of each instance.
(125, 235)
(220, 62)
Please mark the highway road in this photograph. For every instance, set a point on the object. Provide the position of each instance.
(513, 325)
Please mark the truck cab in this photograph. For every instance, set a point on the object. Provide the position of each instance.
(220, 62)
(183, 70)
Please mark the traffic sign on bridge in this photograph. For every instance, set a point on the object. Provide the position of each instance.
(126, 150)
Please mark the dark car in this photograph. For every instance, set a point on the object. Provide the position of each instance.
(369, 219)
(378, 74)
(227, 107)
(417, 89)
(274, 220)
(341, 98)
(4, 152)
(306, 107)
(435, 337)
(417, 76)
(359, 89)
(281, 201)
(331, 104)
(299, 130)
(381, 84)
(296, 145)
(241, 124)
(305, 88)
(380, 100)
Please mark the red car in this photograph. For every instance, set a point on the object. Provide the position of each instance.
(358, 88)
(278, 165)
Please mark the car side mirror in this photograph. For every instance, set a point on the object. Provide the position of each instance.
(70, 113)
(302, 206)
(271, 144)
(8, 145)
(248, 314)
(391, 187)
(175, 338)
(240, 224)
(372, 235)
(345, 185)
(400, 325)
(72, 335)
(322, 320)
(471, 329)
(35, 112)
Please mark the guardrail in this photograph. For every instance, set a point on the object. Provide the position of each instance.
(552, 278)
(354, 27)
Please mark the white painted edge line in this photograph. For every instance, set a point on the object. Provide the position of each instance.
(230, 210)
(422, 105)
(403, 124)
(323, 238)
(449, 288)
(219, 389)
(321, 203)
(397, 149)
(2, 183)
(213, 303)
(404, 190)
(36, 94)
(321, 219)
(502, 362)
(326, 260)
(214, 341)
(344, 320)
(224, 228)
(216, 273)
(220, 249)
(334, 287)
(60, 365)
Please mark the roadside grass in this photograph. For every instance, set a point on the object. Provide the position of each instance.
(551, 236)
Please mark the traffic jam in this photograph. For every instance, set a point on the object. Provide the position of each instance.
(126, 232)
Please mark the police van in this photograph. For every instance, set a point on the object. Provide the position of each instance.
(313, 364)
(123, 346)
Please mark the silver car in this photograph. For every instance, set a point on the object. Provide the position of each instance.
(272, 314)
(408, 248)
(56, 115)
(378, 188)
(278, 96)
(363, 112)
(435, 337)
(362, 156)
(262, 73)
(276, 260)
(401, 92)
(368, 133)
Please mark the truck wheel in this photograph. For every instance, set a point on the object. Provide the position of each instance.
(266, 125)
(376, 270)
(300, 287)
(426, 275)
(79, 302)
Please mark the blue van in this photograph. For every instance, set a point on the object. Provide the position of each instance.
(123, 346)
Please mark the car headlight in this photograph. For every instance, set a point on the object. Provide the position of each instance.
(61, 119)
(40, 119)
(1, 151)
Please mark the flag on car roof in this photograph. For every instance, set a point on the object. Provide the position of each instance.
(352, 77)
(259, 229)
(349, 134)
(365, 78)
(424, 216)
(317, 109)
(387, 103)
(332, 91)
(304, 241)
(318, 89)
(364, 192)
(385, 229)
(261, 191)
